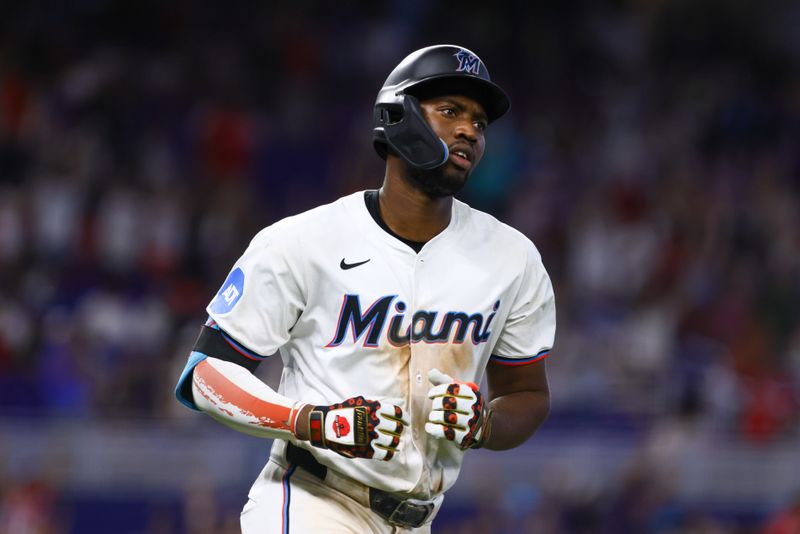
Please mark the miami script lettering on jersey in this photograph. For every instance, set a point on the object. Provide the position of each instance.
(424, 325)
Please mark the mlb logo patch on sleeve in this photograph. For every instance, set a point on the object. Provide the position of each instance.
(230, 292)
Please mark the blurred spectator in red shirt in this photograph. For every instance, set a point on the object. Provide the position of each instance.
(786, 521)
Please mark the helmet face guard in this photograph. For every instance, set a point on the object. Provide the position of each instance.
(398, 122)
(412, 138)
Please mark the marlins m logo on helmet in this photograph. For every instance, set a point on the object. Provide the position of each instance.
(468, 62)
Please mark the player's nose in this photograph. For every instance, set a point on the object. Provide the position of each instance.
(466, 129)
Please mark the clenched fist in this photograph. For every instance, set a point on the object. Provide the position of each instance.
(358, 428)
(458, 413)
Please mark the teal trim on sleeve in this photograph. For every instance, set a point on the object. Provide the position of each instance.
(182, 387)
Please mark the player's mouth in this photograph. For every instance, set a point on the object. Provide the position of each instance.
(461, 156)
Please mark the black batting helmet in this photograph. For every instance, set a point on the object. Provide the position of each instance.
(435, 70)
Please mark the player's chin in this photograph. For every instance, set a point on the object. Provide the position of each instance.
(441, 182)
(444, 189)
(453, 180)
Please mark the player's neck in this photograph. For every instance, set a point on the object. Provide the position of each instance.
(410, 213)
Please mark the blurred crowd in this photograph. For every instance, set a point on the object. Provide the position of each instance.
(651, 153)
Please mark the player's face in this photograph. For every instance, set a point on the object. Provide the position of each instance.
(461, 122)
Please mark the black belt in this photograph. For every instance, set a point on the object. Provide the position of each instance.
(401, 512)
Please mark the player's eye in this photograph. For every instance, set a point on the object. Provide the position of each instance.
(480, 125)
(448, 112)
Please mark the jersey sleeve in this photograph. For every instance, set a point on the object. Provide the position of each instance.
(529, 331)
(254, 310)
(262, 297)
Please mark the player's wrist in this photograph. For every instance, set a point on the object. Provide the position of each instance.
(302, 421)
(485, 431)
(316, 427)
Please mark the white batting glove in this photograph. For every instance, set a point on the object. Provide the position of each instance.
(358, 428)
(458, 413)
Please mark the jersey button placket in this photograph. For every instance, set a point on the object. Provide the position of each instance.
(418, 378)
(417, 386)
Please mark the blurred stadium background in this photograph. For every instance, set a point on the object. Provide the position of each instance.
(652, 154)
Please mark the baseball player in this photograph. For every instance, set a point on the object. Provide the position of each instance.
(386, 307)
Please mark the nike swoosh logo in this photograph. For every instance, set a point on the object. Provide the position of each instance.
(344, 265)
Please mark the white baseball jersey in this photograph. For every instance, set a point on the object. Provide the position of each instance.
(355, 311)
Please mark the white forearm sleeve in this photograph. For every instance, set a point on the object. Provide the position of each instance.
(232, 395)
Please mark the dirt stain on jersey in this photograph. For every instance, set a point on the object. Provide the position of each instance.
(438, 481)
(454, 360)
(410, 364)
(399, 358)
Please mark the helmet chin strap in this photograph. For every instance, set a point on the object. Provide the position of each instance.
(413, 138)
